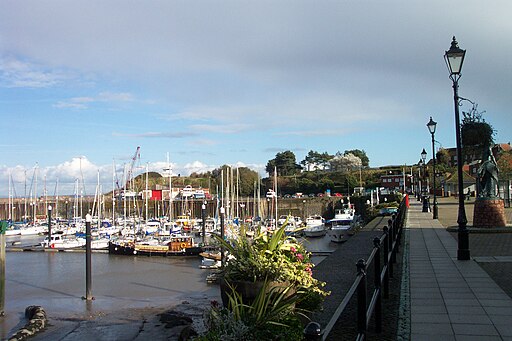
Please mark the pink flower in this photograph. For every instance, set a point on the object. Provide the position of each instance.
(292, 249)
(300, 256)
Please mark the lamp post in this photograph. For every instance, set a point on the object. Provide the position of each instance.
(420, 166)
(454, 58)
(49, 224)
(88, 258)
(431, 125)
(424, 191)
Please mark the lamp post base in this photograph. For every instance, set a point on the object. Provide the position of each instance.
(463, 245)
(435, 211)
(425, 204)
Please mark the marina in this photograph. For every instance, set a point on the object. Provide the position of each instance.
(55, 279)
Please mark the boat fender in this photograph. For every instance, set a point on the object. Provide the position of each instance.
(52, 246)
(134, 252)
(115, 249)
(183, 245)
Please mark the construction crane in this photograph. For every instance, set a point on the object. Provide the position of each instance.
(127, 173)
(130, 169)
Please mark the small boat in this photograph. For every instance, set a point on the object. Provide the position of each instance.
(13, 230)
(59, 241)
(32, 230)
(343, 225)
(315, 226)
(175, 245)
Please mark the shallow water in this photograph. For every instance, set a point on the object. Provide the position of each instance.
(56, 281)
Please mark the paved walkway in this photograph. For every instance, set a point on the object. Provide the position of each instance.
(450, 299)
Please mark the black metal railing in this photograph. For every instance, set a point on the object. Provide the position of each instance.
(383, 257)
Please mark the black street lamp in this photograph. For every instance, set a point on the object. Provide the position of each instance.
(420, 180)
(454, 58)
(431, 125)
(424, 189)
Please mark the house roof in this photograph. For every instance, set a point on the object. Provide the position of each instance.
(466, 178)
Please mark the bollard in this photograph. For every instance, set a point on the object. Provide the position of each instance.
(313, 332)
(361, 298)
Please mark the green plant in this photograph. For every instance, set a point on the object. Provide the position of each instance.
(271, 316)
(274, 257)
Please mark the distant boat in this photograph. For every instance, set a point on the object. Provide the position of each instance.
(59, 241)
(315, 226)
(343, 225)
(178, 245)
(32, 230)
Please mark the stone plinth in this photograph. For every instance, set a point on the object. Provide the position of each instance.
(489, 213)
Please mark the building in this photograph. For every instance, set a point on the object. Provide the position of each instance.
(395, 182)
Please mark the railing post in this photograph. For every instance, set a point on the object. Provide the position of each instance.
(390, 250)
(390, 231)
(361, 298)
(377, 284)
(396, 223)
(386, 254)
(393, 239)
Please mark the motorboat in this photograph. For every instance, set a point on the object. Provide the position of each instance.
(60, 241)
(343, 225)
(315, 226)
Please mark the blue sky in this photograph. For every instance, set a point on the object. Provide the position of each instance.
(84, 83)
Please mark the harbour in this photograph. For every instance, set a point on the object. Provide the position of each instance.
(56, 280)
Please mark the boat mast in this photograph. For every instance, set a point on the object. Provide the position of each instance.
(275, 191)
(10, 197)
(113, 192)
(35, 193)
(147, 171)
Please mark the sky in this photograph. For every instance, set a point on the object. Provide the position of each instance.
(208, 83)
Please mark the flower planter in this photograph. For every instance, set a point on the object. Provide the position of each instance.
(249, 290)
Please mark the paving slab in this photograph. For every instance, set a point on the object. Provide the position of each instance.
(451, 299)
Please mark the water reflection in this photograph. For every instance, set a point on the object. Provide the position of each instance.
(56, 281)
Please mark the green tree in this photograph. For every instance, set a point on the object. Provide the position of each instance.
(443, 157)
(505, 165)
(476, 134)
(360, 154)
(285, 164)
(246, 178)
(315, 158)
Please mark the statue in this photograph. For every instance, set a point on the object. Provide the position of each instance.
(488, 176)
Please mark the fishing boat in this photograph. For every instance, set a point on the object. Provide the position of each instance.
(343, 225)
(175, 245)
(315, 226)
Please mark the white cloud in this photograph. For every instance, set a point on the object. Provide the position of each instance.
(103, 97)
(15, 73)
